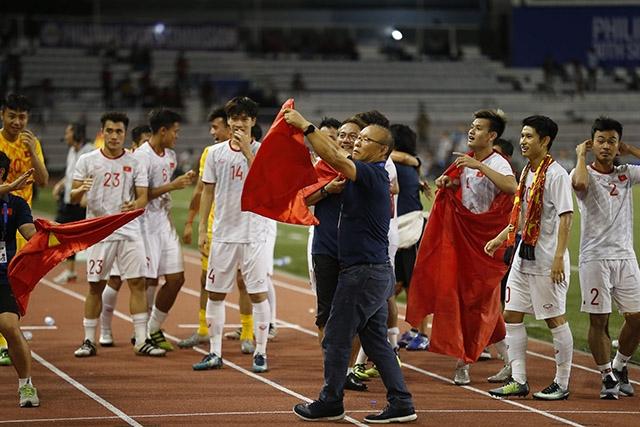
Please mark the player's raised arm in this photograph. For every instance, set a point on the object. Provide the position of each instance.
(322, 144)
(580, 176)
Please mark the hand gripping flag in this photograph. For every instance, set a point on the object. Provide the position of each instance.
(282, 167)
(455, 280)
(53, 244)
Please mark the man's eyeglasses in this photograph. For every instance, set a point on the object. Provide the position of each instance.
(367, 140)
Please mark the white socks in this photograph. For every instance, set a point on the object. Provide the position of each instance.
(109, 298)
(620, 361)
(501, 348)
(605, 370)
(392, 336)
(517, 350)
(271, 297)
(140, 327)
(215, 322)
(90, 326)
(563, 344)
(151, 297)
(156, 320)
(362, 357)
(261, 319)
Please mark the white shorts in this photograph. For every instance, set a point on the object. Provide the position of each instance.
(603, 279)
(164, 254)
(129, 255)
(271, 244)
(252, 259)
(535, 294)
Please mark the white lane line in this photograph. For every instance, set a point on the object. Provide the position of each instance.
(431, 374)
(484, 393)
(401, 306)
(199, 350)
(357, 411)
(110, 407)
(37, 328)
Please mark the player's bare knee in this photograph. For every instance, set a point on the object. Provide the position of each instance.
(554, 322)
(599, 322)
(96, 288)
(217, 296)
(633, 319)
(137, 284)
(513, 316)
(258, 297)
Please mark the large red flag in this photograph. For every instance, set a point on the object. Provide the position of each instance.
(54, 243)
(455, 280)
(280, 170)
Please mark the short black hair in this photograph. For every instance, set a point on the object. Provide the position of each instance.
(404, 138)
(137, 132)
(373, 117)
(505, 145)
(16, 102)
(497, 120)
(217, 113)
(241, 105)
(256, 132)
(329, 122)
(115, 117)
(603, 123)
(544, 126)
(355, 120)
(5, 163)
(162, 118)
(79, 131)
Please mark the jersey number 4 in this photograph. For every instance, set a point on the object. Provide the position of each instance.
(111, 179)
(236, 172)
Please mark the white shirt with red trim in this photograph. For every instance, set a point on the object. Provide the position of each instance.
(556, 200)
(227, 168)
(478, 191)
(606, 214)
(114, 183)
(160, 169)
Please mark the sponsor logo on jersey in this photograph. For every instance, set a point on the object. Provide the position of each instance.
(126, 168)
(172, 165)
(622, 178)
(479, 174)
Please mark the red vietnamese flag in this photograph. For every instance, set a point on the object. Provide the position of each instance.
(455, 280)
(53, 244)
(282, 168)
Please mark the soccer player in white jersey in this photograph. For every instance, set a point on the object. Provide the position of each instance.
(239, 238)
(164, 252)
(113, 182)
(608, 265)
(483, 177)
(539, 277)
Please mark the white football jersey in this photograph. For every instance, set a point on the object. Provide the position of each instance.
(478, 191)
(556, 200)
(157, 216)
(72, 159)
(227, 169)
(114, 183)
(393, 223)
(606, 214)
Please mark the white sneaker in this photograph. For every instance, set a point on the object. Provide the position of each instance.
(461, 376)
(65, 277)
(502, 376)
(148, 349)
(106, 339)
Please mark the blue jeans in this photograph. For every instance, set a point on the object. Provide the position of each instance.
(360, 307)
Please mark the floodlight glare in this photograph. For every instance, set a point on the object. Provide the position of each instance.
(158, 28)
(396, 35)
